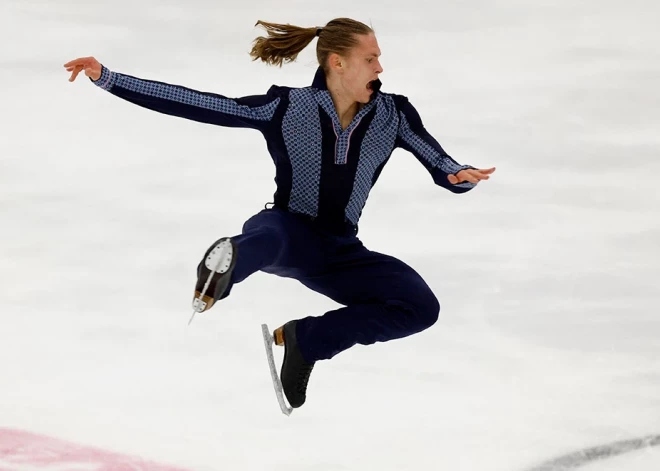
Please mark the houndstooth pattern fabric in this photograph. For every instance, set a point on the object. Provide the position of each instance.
(189, 97)
(377, 147)
(301, 129)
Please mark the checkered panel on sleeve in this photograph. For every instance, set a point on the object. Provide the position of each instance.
(426, 151)
(107, 79)
(194, 98)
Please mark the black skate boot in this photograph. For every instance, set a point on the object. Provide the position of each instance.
(295, 370)
(214, 273)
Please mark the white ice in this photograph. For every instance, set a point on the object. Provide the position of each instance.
(549, 336)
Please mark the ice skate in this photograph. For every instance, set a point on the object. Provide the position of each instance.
(214, 274)
(295, 370)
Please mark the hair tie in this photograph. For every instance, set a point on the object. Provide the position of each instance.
(318, 32)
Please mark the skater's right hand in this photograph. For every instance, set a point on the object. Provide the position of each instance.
(91, 66)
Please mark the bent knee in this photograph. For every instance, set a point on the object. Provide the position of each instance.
(428, 310)
(421, 310)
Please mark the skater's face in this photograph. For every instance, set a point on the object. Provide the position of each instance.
(358, 69)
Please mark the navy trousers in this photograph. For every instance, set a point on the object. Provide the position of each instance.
(383, 298)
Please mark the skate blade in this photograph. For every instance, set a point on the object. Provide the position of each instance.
(277, 383)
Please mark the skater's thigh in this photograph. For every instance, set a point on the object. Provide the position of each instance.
(366, 277)
(300, 249)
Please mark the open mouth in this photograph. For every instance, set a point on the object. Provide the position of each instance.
(373, 85)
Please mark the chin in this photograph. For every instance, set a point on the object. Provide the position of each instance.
(364, 99)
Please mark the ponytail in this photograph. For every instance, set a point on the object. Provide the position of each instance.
(285, 42)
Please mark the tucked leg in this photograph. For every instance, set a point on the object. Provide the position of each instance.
(384, 299)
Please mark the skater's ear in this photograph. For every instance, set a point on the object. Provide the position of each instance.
(335, 63)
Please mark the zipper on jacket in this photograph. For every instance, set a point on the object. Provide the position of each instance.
(343, 159)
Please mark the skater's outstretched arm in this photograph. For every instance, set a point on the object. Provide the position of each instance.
(445, 171)
(247, 112)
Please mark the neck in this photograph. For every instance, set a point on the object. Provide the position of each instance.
(345, 106)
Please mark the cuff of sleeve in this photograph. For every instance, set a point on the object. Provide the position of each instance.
(464, 167)
(441, 177)
(107, 79)
(465, 185)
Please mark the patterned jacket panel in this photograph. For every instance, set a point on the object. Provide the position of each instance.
(322, 170)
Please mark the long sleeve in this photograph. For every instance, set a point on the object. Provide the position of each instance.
(413, 137)
(248, 112)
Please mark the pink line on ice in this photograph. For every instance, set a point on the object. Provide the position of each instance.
(20, 449)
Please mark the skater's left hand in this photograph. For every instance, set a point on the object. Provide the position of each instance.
(470, 175)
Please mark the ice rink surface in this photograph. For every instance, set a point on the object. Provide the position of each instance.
(548, 274)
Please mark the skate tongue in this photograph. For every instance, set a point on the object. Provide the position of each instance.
(278, 336)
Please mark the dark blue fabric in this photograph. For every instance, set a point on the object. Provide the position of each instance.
(321, 169)
(383, 298)
(324, 174)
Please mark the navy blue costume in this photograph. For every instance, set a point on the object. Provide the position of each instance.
(323, 176)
